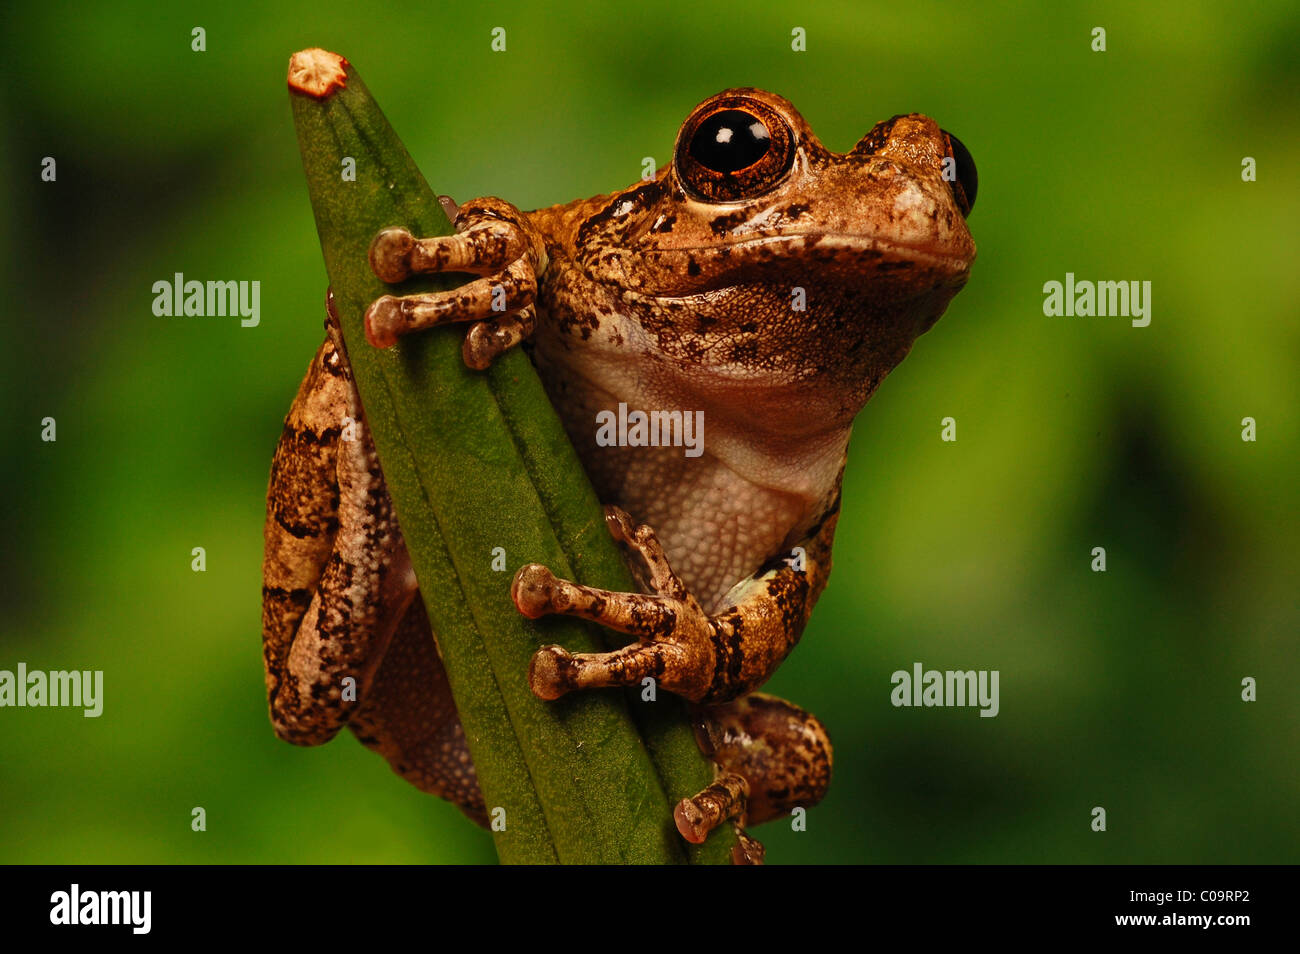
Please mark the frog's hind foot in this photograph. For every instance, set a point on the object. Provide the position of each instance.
(772, 758)
(781, 750)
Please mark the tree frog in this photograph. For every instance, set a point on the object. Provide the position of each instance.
(759, 284)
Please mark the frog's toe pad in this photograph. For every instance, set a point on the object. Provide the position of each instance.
(533, 590)
(390, 254)
(691, 823)
(382, 318)
(546, 672)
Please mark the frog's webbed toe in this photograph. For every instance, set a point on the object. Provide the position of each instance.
(493, 239)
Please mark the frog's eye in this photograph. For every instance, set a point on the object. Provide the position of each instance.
(967, 181)
(734, 150)
(729, 141)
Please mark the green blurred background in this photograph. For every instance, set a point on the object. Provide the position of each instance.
(1119, 689)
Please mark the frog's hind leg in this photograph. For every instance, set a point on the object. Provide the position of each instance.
(409, 718)
(345, 636)
(336, 579)
(772, 757)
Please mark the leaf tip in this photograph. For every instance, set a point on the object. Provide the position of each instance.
(317, 73)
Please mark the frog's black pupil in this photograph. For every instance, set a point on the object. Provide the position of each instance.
(966, 173)
(729, 141)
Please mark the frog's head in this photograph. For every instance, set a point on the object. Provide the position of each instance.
(762, 253)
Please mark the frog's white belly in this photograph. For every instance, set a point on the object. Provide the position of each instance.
(722, 507)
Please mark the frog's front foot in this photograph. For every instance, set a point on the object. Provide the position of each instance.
(678, 643)
(771, 756)
(494, 240)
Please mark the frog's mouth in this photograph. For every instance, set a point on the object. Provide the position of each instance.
(931, 253)
(832, 256)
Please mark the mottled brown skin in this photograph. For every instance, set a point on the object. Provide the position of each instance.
(777, 758)
(676, 294)
(339, 599)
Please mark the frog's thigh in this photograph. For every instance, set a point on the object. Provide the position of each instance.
(325, 627)
(409, 718)
(772, 757)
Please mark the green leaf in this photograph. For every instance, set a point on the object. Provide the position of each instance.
(476, 461)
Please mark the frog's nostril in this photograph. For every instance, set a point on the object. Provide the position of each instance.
(965, 182)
